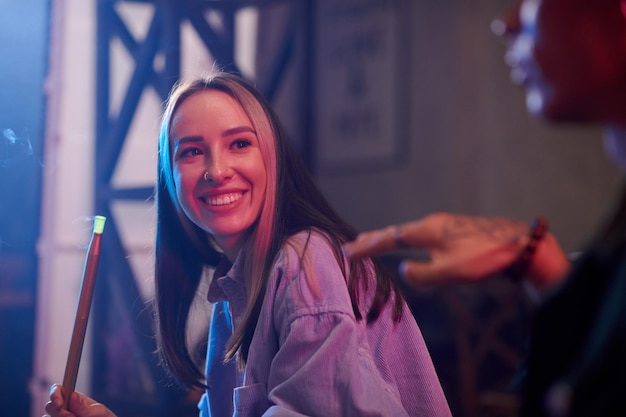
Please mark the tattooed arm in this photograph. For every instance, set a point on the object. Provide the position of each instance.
(463, 249)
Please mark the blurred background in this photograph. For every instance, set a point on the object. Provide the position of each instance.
(399, 108)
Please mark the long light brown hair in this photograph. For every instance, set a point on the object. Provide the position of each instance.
(292, 204)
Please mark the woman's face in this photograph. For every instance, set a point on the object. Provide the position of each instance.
(219, 173)
(564, 57)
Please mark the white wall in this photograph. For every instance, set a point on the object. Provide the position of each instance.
(66, 198)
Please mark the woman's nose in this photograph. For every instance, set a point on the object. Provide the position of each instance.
(508, 24)
(217, 170)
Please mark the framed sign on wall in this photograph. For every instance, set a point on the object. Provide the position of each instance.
(362, 58)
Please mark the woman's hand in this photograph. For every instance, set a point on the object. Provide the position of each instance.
(79, 405)
(463, 249)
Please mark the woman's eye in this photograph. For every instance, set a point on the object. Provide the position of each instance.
(189, 152)
(241, 143)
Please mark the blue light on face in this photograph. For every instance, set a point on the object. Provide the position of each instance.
(528, 12)
(534, 101)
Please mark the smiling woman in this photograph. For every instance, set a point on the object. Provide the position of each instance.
(297, 328)
(218, 169)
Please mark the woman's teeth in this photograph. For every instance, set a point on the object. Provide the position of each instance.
(223, 199)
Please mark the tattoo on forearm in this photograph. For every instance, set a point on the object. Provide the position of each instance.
(496, 229)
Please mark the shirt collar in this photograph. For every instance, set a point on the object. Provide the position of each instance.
(228, 284)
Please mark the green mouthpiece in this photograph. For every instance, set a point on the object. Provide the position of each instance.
(98, 224)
